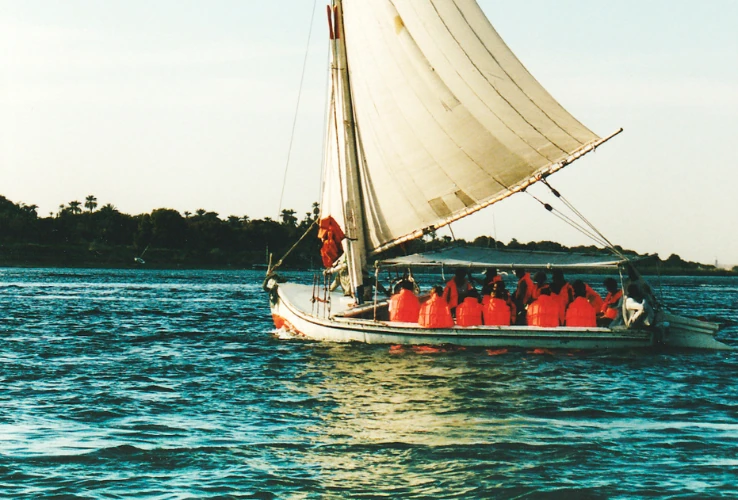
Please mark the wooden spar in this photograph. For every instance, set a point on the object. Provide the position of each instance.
(353, 208)
(521, 186)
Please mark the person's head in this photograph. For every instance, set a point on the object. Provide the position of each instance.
(460, 275)
(490, 273)
(471, 293)
(500, 293)
(610, 285)
(500, 285)
(557, 277)
(397, 287)
(634, 292)
(540, 278)
(407, 285)
(437, 290)
(519, 273)
(545, 290)
(580, 289)
(487, 289)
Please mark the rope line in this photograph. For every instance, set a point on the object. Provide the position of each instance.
(297, 108)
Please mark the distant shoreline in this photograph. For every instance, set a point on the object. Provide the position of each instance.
(165, 239)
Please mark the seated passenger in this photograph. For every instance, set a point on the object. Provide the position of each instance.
(497, 312)
(612, 304)
(523, 294)
(562, 291)
(469, 312)
(404, 306)
(638, 312)
(544, 311)
(594, 298)
(435, 313)
(580, 312)
(458, 284)
(539, 283)
(491, 277)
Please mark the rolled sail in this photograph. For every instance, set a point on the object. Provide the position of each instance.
(447, 117)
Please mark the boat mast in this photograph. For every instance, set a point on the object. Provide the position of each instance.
(353, 209)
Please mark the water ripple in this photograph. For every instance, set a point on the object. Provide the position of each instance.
(174, 384)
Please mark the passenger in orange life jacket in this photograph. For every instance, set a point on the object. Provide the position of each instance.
(454, 287)
(498, 312)
(404, 305)
(506, 295)
(544, 311)
(580, 312)
(539, 282)
(469, 312)
(612, 305)
(594, 298)
(523, 294)
(435, 313)
(562, 292)
(491, 277)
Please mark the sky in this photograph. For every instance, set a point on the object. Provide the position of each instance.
(190, 104)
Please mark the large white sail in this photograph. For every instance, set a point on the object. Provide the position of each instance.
(447, 117)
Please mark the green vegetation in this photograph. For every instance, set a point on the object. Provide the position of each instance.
(105, 237)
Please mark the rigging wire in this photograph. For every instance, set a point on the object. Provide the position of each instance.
(297, 108)
(582, 217)
(569, 221)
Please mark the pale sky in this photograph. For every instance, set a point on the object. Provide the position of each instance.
(190, 104)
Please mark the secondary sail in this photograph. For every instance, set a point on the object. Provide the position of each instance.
(447, 117)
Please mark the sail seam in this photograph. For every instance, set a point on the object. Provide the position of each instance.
(531, 99)
(476, 35)
(473, 91)
(441, 128)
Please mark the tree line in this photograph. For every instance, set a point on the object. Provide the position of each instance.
(81, 234)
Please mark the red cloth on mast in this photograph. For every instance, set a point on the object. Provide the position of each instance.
(331, 234)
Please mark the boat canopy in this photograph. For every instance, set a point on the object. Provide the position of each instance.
(480, 258)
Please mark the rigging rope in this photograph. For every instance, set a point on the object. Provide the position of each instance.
(297, 108)
(593, 233)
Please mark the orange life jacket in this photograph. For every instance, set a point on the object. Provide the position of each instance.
(331, 234)
(524, 297)
(580, 313)
(497, 313)
(611, 300)
(469, 312)
(565, 295)
(562, 300)
(485, 300)
(435, 313)
(544, 312)
(405, 307)
(451, 293)
(536, 292)
(594, 298)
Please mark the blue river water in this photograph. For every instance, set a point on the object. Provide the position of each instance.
(173, 384)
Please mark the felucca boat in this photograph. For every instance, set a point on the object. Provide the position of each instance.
(431, 118)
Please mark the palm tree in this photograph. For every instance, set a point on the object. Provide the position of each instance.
(30, 209)
(187, 214)
(90, 203)
(108, 208)
(200, 212)
(74, 207)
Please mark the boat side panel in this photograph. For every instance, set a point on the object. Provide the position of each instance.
(289, 316)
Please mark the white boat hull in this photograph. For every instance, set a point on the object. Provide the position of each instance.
(293, 309)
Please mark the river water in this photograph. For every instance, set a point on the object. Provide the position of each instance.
(173, 384)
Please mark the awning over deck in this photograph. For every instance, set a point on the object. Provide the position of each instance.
(480, 258)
